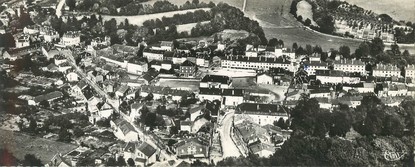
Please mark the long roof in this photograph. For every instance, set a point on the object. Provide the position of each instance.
(223, 92)
(125, 126)
(146, 149)
(348, 62)
(49, 96)
(256, 108)
(257, 59)
(216, 78)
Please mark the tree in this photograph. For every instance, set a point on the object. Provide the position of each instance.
(307, 22)
(363, 50)
(71, 4)
(405, 53)
(44, 104)
(64, 135)
(395, 49)
(130, 162)
(32, 126)
(111, 162)
(295, 46)
(300, 18)
(7, 158)
(273, 42)
(121, 161)
(345, 51)
(376, 47)
(31, 160)
(342, 122)
(149, 97)
(309, 49)
(280, 123)
(78, 132)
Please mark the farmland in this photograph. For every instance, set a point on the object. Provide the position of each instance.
(139, 19)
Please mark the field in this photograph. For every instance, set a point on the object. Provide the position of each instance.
(180, 84)
(139, 19)
(397, 9)
(236, 3)
(20, 145)
(188, 27)
(304, 10)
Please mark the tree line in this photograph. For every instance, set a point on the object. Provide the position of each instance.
(177, 19)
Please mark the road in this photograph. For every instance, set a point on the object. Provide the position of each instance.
(114, 104)
(228, 146)
(59, 8)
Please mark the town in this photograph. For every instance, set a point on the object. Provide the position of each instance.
(95, 91)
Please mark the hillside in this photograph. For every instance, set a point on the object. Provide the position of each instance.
(404, 10)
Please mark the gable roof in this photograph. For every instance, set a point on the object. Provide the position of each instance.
(259, 146)
(124, 126)
(188, 63)
(146, 149)
(49, 96)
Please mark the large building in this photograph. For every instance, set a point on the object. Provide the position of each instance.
(312, 66)
(350, 66)
(336, 77)
(262, 114)
(386, 70)
(216, 81)
(228, 97)
(256, 63)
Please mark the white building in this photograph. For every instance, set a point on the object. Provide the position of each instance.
(350, 66)
(255, 63)
(216, 81)
(22, 41)
(336, 77)
(153, 54)
(72, 77)
(264, 79)
(141, 152)
(388, 70)
(410, 72)
(123, 130)
(71, 38)
(262, 114)
(312, 66)
(228, 97)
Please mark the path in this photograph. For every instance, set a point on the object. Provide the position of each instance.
(59, 8)
(228, 146)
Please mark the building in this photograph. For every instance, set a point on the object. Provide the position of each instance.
(410, 72)
(350, 66)
(264, 79)
(18, 53)
(71, 38)
(262, 149)
(186, 126)
(72, 77)
(153, 54)
(256, 63)
(187, 69)
(123, 130)
(22, 41)
(166, 64)
(228, 97)
(386, 70)
(336, 77)
(142, 153)
(158, 92)
(262, 114)
(46, 97)
(216, 81)
(311, 67)
(192, 148)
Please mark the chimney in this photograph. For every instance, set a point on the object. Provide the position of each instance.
(257, 107)
(233, 91)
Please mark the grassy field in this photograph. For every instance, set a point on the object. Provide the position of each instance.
(20, 144)
(188, 27)
(139, 19)
(397, 9)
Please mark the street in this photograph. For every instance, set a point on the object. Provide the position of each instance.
(228, 146)
(114, 104)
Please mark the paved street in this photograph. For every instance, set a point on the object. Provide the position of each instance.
(228, 146)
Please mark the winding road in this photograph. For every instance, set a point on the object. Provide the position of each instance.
(228, 146)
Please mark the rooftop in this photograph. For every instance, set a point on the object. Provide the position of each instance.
(259, 108)
(348, 62)
(216, 78)
(257, 59)
(386, 67)
(224, 92)
(48, 96)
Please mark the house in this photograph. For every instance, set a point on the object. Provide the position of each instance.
(123, 130)
(72, 77)
(321, 93)
(17, 53)
(386, 70)
(228, 97)
(59, 161)
(351, 100)
(47, 97)
(187, 69)
(166, 45)
(411, 91)
(248, 133)
(155, 64)
(350, 66)
(136, 66)
(262, 114)
(153, 54)
(142, 153)
(410, 71)
(166, 64)
(22, 41)
(311, 67)
(71, 38)
(216, 81)
(192, 148)
(122, 91)
(262, 149)
(186, 126)
(135, 110)
(256, 63)
(264, 79)
(360, 87)
(195, 112)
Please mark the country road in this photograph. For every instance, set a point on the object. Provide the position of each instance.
(228, 146)
(59, 8)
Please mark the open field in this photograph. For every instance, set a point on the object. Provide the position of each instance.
(20, 144)
(236, 3)
(188, 27)
(180, 84)
(140, 19)
(397, 9)
(304, 10)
